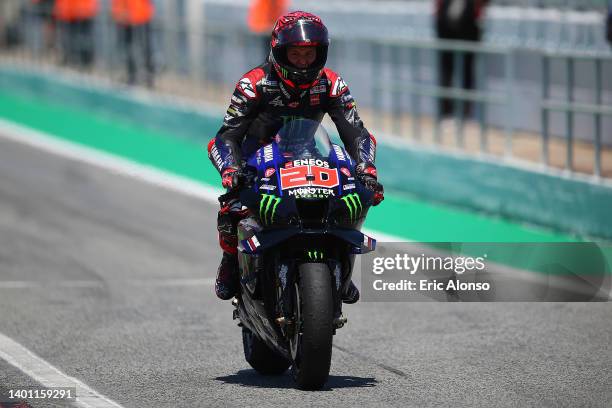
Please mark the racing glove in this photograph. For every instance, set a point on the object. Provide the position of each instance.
(227, 177)
(366, 174)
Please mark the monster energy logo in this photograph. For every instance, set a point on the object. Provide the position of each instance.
(314, 255)
(268, 205)
(353, 201)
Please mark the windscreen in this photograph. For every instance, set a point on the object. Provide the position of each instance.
(303, 139)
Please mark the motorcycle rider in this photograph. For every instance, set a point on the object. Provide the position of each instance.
(293, 83)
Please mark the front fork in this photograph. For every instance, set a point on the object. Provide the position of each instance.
(286, 272)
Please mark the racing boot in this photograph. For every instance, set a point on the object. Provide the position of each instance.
(226, 284)
(351, 294)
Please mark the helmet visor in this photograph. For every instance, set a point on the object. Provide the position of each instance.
(304, 33)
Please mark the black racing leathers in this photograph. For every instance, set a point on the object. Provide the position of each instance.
(262, 103)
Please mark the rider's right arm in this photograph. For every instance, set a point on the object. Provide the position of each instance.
(240, 114)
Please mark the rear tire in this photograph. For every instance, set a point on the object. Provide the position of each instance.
(260, 357)
(313, 351)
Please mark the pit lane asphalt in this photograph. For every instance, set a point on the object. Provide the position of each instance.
(116, 290)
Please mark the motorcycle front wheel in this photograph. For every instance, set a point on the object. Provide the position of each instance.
(311, 344)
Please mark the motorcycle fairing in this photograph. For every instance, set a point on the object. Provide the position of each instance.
(263, 240)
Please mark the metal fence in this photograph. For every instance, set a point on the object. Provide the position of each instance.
(554, 4)
(408, 94)
(417, 88)
(570, 107)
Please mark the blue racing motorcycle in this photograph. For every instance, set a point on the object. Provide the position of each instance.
(297, 249)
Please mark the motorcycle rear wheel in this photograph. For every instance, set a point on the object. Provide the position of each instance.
(260, 357)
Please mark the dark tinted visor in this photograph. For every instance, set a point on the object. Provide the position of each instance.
(304, 33)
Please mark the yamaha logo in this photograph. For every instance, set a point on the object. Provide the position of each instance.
(216, 156)
(339, 153)
(268, 153)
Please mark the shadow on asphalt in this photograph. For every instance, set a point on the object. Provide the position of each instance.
(250, 378)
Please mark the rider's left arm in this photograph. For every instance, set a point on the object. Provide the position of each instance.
(359, 143)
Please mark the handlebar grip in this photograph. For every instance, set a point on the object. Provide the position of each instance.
(242, 178)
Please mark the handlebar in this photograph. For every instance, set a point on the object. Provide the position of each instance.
(242, 178)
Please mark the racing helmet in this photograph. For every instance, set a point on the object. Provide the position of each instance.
(301, 29)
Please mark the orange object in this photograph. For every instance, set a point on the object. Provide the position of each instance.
(264, 13)
(73, 10)
(132, 12)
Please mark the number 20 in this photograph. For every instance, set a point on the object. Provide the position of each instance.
(297, 177)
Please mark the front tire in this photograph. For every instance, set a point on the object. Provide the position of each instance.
(260, 357)
(312, 343)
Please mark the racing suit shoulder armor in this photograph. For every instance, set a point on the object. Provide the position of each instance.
(250, 82)
(336, 84)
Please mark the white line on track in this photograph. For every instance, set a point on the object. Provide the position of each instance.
(113, 163)
(49, 376)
